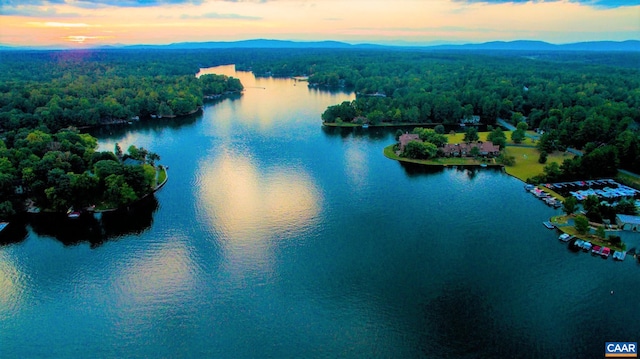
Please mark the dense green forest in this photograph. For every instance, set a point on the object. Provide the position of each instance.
(59, 89)
(581, 104)
(588, 101)
(63, 170)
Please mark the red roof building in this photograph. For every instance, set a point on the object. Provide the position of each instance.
(487, 149)
(406, 138)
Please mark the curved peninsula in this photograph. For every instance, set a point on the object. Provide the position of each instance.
(63, 172)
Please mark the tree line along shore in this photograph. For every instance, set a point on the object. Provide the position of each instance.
(585, 101)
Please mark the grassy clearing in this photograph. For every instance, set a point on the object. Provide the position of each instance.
(527, 164)
(162, 175)
(562, 219)
(629, 180)
(459, 138)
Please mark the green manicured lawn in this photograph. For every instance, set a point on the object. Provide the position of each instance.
(628, 180)
(162, 175)
(562, 219)
(527, 164)
(459, 138)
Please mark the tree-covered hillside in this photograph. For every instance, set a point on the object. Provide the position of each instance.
(59, 89)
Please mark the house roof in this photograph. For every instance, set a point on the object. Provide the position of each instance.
(625, 218)
(484, 147)
(132, 162)
(406, 138)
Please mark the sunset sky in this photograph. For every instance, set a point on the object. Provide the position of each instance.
(79, 23)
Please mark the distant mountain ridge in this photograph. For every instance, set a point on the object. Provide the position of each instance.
(248, 44)
(518, 45)
(526, 45)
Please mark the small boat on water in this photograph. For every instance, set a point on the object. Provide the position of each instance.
(619, 256)
(3, 225)
(549, 225)
(596, 250)
(565, 237)
(365, 125)
(71, 213)
(605, 252)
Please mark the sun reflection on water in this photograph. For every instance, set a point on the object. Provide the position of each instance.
(11, 285)
(249, 205)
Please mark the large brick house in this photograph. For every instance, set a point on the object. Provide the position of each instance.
(487, 149)
(406, 138)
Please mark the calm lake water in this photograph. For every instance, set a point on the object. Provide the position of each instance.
(278, 238)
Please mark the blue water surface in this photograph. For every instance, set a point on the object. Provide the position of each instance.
(277, 238)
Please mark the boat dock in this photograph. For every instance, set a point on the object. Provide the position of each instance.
(549, 225)
(579, 244)
(619, 256)
(544, 196)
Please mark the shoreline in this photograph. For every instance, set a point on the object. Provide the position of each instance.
(560, 226)
(106, 210)
(388, 152)
(382, 125)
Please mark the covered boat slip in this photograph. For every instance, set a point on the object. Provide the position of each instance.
(631, 239)
(628, 223)
(606, 189)
(620, 256)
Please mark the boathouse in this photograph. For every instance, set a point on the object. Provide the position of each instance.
(627, 222)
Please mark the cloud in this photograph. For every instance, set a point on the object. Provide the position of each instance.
(215, 15)
(16, 3)
(34, 11)
(401, 30)
(67, 24)
(593, 3)
(80, 39)
(95, 4)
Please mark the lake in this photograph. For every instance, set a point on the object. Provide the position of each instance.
(275, 237)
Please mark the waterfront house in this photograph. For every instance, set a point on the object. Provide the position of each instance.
(474, 120)
(132, 162)
(486, 149)
(627, 222)
(406, 138)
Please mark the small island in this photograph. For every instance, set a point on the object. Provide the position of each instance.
(63, 172)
